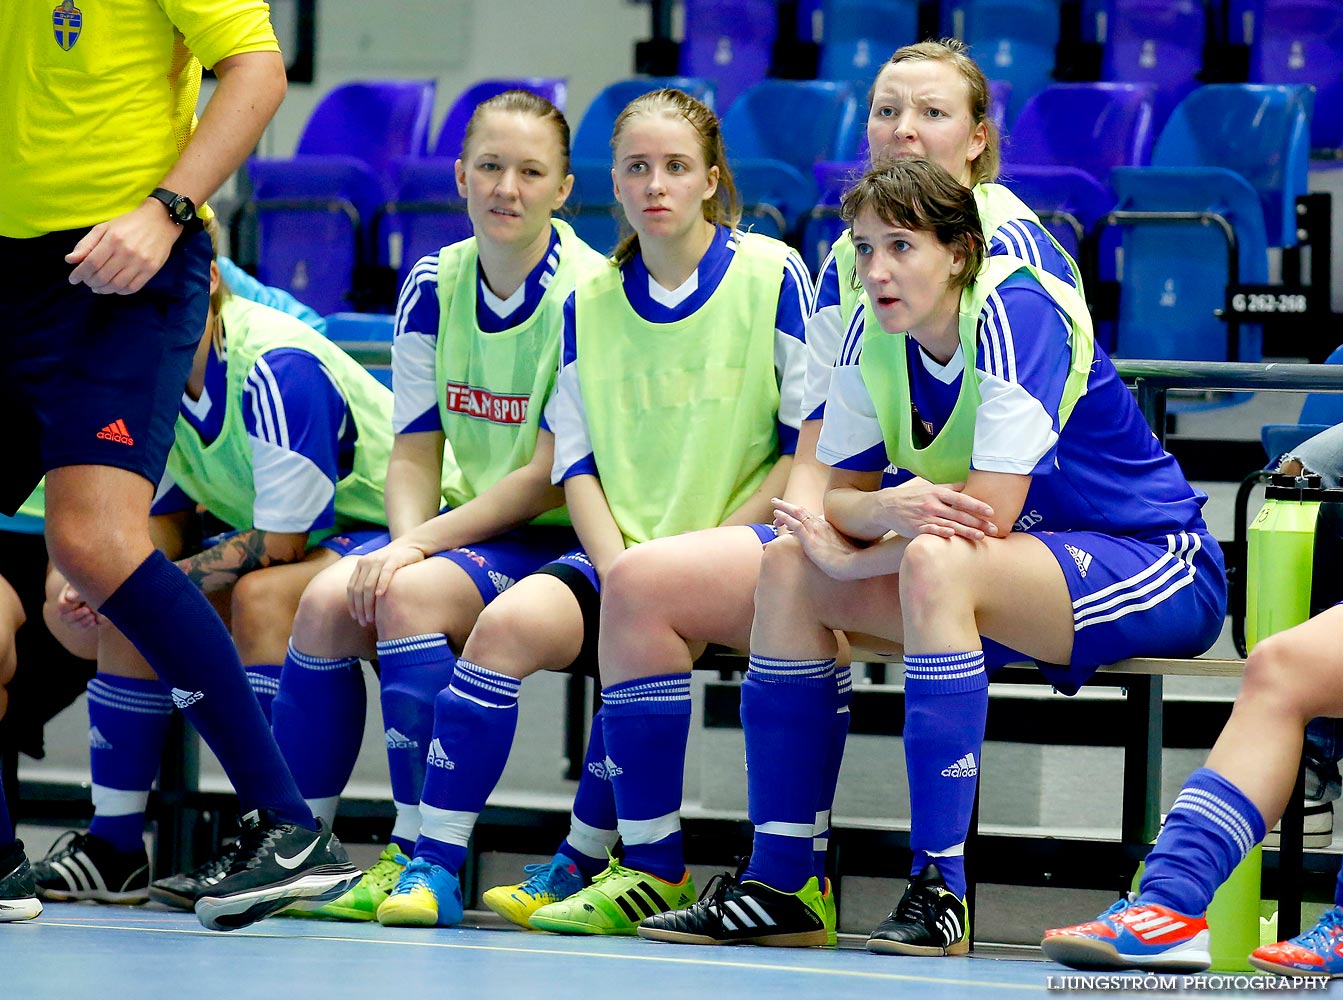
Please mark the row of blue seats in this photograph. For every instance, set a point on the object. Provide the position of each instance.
(1161, 42)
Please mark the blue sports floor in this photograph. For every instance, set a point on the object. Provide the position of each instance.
(75, 951)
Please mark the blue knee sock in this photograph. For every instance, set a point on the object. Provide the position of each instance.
(264, 679)
(173, 626)
(592, 827)
(946, 702)
(128, 722)
(1209, 829)
(646, 724)
(839, 733)
(474, 722)
(6, 824)
(318, 721)
(414, 670)
(785, 706)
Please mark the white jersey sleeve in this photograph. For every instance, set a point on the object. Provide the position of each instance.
(824, 332)
(851, 435)
(415, 351)
(790, 348)
(565, 414)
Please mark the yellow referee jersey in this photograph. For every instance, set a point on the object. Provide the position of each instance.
(99, 99)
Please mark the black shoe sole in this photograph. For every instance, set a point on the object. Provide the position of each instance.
(883, 946)
(320, 885)
(171, 899)
(799, 939)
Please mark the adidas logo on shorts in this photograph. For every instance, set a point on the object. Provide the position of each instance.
(185, 699)
(1083, 559)
(97, 741)
(500, 581)
(437, 758)
(963, 768)
(397, 740)
(116, 431)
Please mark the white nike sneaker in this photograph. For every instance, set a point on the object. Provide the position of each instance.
(277, 865)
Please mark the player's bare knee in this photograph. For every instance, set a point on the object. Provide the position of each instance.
(633, 586)
(324, 601)
(931, 564)
(502, 639)
(1278, 679)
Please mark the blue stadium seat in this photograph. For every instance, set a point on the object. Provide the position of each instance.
(776, 130)
(348, 328)
(1209, 159)
(1012, 40)
(823, 224)
(729, 43)
(449, 142)
(1300, 41)
(860, 35)
(1153, 41)
(1319, 412)
(314, 211)
(590, 151)
(423, 211)
(1068, 138)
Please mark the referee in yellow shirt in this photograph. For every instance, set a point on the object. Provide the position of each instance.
(104, 282)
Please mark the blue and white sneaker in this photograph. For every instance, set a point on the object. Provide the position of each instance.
(1133, 935)
(549, 883)
(1317, 952)
(426, 895)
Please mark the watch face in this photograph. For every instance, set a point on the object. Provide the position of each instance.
(182, 209)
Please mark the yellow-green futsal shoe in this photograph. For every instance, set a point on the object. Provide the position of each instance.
(616, 901)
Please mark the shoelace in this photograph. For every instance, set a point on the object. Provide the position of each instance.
(417, 875)
(72, 840)
(387, 871)
(715, 893)
(214, 869)
(916, 906)
(255, 839)
(540, 884)
(1321, 936)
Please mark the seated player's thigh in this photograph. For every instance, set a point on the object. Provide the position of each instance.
(433, 596)
(537, 624)
(11, 617)
(265, 602)
(693, 588)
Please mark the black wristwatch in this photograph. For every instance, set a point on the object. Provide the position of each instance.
(181, 209)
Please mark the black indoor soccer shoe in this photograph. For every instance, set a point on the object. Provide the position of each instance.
(929, 920)
(277, 865)
(83, 866)
(18, 890)
(182, 890)
(735, 912)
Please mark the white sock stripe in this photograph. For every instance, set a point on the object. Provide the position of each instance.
(466, 696)
(411, 643)
(1159, 597)
(822, 822)
(590, 841)
(140, 702)
(954, 851)
(919, 676)
(1198, 797)
(649, 831)
(446, 825)
(930, 659)
(321, 662)
(119, 801)
(773, 661)
(1233, 830)
(263, 683)
(490, 680)
(779, 829)
(819, 673)
(672, 689)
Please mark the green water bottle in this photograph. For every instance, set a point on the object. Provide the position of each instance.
(1281, 556)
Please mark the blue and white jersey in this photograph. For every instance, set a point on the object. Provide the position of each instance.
(566, 415)
(826, 329)
(301, 432)
(1106, 472)
(415, 340)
